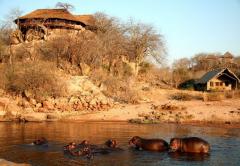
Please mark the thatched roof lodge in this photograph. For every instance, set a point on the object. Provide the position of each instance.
(218, 79)
(54, 18)
(37, 23)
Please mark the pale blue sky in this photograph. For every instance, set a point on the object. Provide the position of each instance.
(189, 26)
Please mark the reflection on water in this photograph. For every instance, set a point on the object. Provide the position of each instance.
(15, 142)
(189, 156)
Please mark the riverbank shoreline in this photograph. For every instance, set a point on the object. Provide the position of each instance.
(158, 108)
(197, 124)
(234, 125)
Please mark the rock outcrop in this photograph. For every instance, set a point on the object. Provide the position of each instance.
(82, 96)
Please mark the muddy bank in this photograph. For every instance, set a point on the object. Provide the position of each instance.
(8, 163)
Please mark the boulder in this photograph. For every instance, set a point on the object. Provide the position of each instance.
(32, 101)
(53, 117)
(5, 116)
(27, 94)
(41, 110)
(48, 105)
(74, 100)
(38, 105)
(4, 102)
(25, 103)
(34, 117)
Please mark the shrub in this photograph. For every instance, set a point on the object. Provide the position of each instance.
(181, 96)
(38, 79)
(118, 88)
(2, 76)
(145, 67)
(168, 106)
(215, 96)
(159, 78)
(144, 121)
(232, 94)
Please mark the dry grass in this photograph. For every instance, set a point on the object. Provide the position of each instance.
(2, 80)
(232, 94)
(159, 78)
(118, 88)
(182, 96)
(214, 96)
(168, 106)
(219, 96)
(38, 79)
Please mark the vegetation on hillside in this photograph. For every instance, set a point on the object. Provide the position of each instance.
(111, 54)
(188, 69)
(114, 55)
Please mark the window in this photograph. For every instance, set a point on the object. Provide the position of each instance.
(217, 83)
(221, 84)
(211, 84)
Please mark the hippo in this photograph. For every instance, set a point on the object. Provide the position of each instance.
(189, 145)
(86, 143)
(112, 145)
(158, 145)
(108, 147)
(41, 141)
(71, 146)
(86, 151)
(83, 149)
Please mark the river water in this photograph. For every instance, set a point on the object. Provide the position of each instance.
(15, 142)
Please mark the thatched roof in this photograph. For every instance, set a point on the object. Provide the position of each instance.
(86, 19)
(215, 73)
(58, 14)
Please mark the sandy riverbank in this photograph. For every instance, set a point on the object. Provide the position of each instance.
(194, 112)
(157, 108)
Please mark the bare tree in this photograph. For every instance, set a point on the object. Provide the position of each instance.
(66, 6)
(11, 16)
(112, 40)
(144, 42)
(7, 28)
(181, 71)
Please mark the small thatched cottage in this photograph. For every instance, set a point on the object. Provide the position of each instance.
(218, 79)
(39, 23)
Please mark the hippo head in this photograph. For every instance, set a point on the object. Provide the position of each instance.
(40, 141)
(135, 140)
(175, 144)
(111, 143)
(71, 146)
(84, 142)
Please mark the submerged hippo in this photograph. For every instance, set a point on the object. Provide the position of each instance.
(112, 145)
(86, 143)
(78, 150)
(41, 141)
(70, 146)
(149, 144)
(189, 145)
